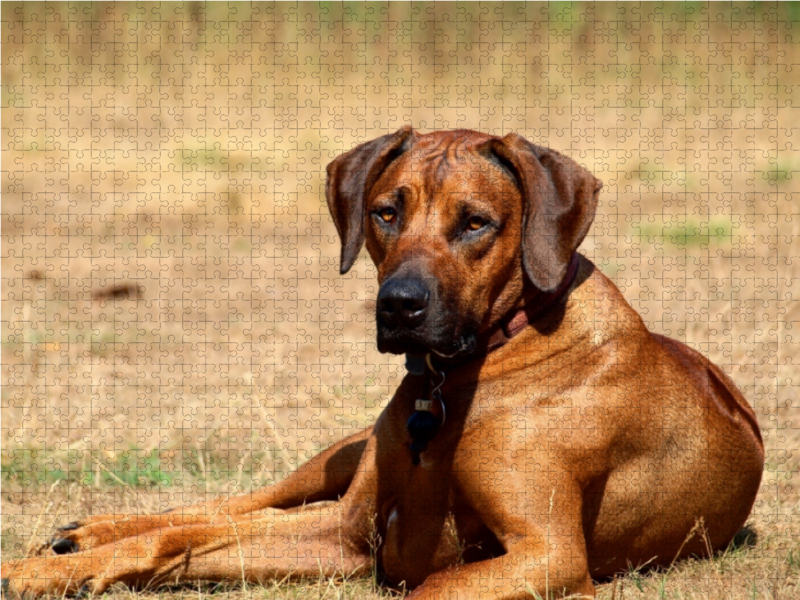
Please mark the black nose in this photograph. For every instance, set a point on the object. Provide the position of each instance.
(403, 302)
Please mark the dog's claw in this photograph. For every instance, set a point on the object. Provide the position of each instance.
(64, 546)
(84, 591)
(69, 526)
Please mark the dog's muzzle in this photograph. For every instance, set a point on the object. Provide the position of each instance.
(412, 318)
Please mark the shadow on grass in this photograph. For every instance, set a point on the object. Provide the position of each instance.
(746, 537)
(743, 540)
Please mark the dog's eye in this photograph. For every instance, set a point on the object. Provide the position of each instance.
(387, 215)
(475, 223)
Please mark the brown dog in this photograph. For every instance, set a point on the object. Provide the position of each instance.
(547, 439)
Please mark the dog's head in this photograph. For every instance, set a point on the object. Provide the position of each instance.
(458, 223)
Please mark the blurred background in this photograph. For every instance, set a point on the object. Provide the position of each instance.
(174, 325)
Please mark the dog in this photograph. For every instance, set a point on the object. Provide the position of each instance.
(542, 438)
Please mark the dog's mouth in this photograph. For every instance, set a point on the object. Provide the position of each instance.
(449, 345)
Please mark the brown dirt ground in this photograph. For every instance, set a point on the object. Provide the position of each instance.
(179, 152)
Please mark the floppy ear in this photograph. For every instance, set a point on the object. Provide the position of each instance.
(350, 177)
(559, 199)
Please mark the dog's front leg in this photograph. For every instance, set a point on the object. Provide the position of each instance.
(536, 515)
(312, 543)
(514, 576)
(326, 476)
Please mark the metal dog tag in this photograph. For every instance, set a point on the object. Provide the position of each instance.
(425, 405)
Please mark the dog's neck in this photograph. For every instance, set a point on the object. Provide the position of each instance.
(429, 415)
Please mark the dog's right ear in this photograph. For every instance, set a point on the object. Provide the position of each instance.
(350, 178)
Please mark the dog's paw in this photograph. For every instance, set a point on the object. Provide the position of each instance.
(89, 533)
(99, 530)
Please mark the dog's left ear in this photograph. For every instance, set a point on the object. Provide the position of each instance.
(559, 197)
(350, 178)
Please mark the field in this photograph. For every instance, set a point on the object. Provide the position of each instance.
(174, 326)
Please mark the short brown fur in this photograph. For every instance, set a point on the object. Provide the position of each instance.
(584, 445)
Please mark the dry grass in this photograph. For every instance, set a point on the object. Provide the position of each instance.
(181, 148)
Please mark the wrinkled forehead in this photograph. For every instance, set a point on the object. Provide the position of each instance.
(447, 164)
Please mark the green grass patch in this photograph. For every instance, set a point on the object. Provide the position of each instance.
(133, 468)
(202, 159)
(691, 232)
(780, 172)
